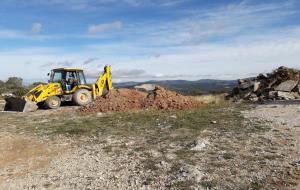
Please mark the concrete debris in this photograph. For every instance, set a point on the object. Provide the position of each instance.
(287, 86)
(245, 84)
(256, 86)
(285, 95)
(8, 94)
(200, 144)
(296, 95)
(145, 87)
(282, 84)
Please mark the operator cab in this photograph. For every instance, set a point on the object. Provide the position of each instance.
(68, 77)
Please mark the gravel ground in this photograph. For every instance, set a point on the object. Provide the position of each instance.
(284, 121)
(69, 164)
(263, 154)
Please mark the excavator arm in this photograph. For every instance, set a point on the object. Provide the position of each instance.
(104, 80)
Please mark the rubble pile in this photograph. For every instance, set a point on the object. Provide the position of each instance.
(282, 84)
(122, 100)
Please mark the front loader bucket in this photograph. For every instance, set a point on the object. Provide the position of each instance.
(19, 105)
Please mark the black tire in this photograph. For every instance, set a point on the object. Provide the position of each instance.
(53, 102)
(82, 97)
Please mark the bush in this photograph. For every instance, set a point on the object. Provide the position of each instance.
(14, 82)
(13, 85)
(2, 87)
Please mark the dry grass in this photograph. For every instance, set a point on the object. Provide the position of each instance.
(212, 99)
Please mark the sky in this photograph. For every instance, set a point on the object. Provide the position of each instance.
(149, 39)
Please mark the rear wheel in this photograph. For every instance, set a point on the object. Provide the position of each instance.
(82, 97)
(53, 102)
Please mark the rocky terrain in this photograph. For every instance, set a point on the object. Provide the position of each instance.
(213, 147)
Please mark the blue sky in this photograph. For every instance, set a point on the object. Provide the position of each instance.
(149, 39)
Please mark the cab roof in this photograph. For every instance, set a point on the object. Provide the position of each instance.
(67, 69)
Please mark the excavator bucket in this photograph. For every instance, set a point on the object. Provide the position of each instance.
(19, 105)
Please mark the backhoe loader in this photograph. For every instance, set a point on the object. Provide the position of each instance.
(65, 85)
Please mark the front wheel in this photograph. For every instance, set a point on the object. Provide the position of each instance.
(53, 102)
(82, 97)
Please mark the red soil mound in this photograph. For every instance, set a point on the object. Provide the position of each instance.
(122, 100)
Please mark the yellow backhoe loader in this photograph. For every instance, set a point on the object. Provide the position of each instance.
(65, 85)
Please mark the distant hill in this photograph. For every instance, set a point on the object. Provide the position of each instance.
(202, 86)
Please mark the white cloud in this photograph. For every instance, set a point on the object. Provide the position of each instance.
(90, 60)
(83, 5)
(221, 23)
(139, 3)
(13, 34)
(225, 42)
(118, 73)
(36, 28)
(243, 58)
(198, 26)
(97, 28)
(25, 35)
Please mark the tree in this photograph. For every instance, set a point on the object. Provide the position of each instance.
(14, 82)
(14, 85)
(2, 87)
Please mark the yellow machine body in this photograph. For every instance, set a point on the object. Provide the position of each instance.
(104, 80)
(41, 92)
(79, 92)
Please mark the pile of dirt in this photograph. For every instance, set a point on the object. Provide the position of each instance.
(122, 100)
(162, 98)
(282, 84)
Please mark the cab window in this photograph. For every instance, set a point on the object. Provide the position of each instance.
(71, 77)
(81, 78)
(56, 76)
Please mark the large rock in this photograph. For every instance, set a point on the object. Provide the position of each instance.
(285, 95)
(272, 94)
(287, 86)
(256, 86)
(296, 94)
(145, 87)
(253, 97)
(245, 93)
(245, 84)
